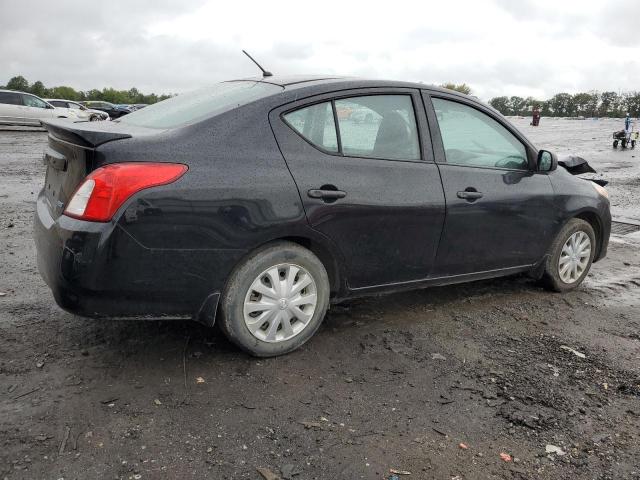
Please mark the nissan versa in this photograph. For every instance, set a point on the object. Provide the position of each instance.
(254, 203)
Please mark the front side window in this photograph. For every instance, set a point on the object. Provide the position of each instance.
(473, 138)
(31, 101)
(315, 123)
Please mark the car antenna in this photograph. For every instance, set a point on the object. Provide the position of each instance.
(265, 73)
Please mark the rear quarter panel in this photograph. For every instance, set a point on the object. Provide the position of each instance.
(237, 195)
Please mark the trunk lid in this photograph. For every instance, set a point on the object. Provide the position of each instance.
(70, 157)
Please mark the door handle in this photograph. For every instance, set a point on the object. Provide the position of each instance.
(326, 194)
(470, 195)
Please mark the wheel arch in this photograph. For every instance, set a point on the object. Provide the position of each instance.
(327, 256)
(317, 244)
(594, 220)
(589, 216)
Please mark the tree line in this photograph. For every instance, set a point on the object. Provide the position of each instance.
(586, 104)
(69, 93)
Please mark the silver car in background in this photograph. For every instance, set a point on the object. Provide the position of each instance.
(82, 112)
(20, 108)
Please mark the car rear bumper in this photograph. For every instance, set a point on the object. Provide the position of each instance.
(98, 270)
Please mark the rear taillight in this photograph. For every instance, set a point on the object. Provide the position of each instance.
(101, 194)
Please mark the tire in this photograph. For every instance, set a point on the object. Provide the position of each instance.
(553, 277)
(94, 118)
(624, 144)
(633, 144)
(615, 144)
(240, 302)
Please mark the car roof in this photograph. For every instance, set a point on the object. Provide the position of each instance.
(289, 82)
(16, 91)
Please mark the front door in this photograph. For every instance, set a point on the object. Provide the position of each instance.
(500, 212)
(367, 180)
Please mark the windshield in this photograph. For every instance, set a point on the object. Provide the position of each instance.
(198, 105)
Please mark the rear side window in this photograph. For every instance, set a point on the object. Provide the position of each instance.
(315, 123)
(378, 126)
(199, 105)
(10, 98)
(373, 126)
(57, 103)
(473, 138)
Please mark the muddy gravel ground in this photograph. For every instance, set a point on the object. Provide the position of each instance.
(437, 382)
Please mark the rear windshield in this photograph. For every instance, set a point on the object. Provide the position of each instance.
(200, 104)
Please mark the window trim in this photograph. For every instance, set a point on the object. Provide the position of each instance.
(434, 126)
(331, 97)
(336, 126)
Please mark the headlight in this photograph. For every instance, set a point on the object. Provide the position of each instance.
(600, 189)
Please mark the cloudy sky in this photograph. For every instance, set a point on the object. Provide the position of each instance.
(512, 47)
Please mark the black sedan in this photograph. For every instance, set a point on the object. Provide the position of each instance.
(114, 111)
(255, 203)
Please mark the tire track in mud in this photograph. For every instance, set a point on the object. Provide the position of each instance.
(615, 286)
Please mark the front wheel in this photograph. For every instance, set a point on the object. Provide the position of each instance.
(570, 256)
(633, 144)
(275, 300)
(615, 144)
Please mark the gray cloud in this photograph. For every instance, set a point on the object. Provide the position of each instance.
(613, 20)
(98, 44)
(618, 24)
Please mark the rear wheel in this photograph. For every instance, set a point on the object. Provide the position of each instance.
(275, 300)
(570, 256)
(624, 144)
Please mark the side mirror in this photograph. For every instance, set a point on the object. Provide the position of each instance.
(547, 161)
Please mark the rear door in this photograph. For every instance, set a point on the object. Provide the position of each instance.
(367, 180)
(11, 110)
(35, 109)
(500, 212)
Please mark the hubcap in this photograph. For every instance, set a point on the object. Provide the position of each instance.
(574, 257)
(280, 303)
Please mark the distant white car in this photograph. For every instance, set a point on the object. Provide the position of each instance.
(82, 112)
(19, 108)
